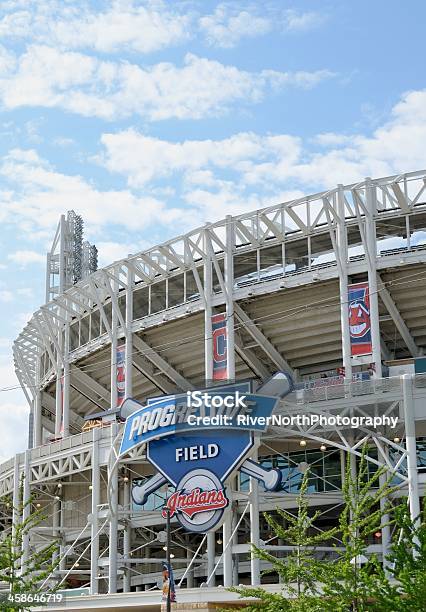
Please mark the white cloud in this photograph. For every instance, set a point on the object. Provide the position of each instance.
(14, 420)
(6, 295)
(24, 258)
(230, 22)
(40, 194)
(180, 185)
(110, 251)
(26, 292)
(47, 77)
(248, 170)
(123, 26)
(13, 409)
(228, 25)
(143, 158)
(297, 21)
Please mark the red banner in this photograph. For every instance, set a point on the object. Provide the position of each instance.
(220, 348)
(359, 319)
(121, 373)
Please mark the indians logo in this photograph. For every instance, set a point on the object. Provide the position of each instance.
(359, 318)
(199, 501)
(121, 374)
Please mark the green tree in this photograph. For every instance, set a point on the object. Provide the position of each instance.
(354, 577)
(24, 576)
(300, 571)
(345, 584)
(407, 563)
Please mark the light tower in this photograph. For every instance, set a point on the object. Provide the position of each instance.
(70, 258)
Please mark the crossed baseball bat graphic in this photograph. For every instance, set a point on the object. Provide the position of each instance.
(271, 479)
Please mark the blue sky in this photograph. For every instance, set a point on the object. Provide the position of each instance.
(149, 118)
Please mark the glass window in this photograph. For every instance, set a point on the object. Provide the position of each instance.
(271, 262)
(108, 312)
(245, 267)
(122, 305)
(321, 250)
(421, 453)
(175, 290)
(192, 292)
(74, 335)
(84, 329)
(296, 256)
(417, 230)
(95, 324)
(158, 296)
(216, 285)
(140, 303)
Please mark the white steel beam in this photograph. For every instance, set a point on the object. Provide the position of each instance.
(257, 335)
(94, 524)
(251, 359)
(49, 402)
(79, 377)
(397, 318)
(144, 348)
(370, 249)
(146, 368)
(410, 443)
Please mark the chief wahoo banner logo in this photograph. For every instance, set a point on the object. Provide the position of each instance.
(359, 319)
(121, 373)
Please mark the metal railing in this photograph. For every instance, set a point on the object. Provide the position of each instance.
(343, 389)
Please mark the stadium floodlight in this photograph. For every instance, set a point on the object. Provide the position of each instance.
(70, 258)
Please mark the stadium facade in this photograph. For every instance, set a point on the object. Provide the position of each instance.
(330, 288)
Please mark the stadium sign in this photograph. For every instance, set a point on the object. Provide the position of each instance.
(197, 459)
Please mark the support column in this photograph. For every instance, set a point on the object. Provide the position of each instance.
(127, 535)
(63, 547)
(229, 284)
(235, 559)
(56, 521)
(26, 509)
(58, 394)
(113, 524)
(371, 244)
(190, 574)
(342, 466)
(254, 528)
(94, 536)
(129, 336)
(410, 442)
(16, 501)
(385, 529)
(227, 550)
(342, 256)
(211, 554)
(37, 426)
(208, 331)
(66, 384)
(38, 430)
(114, 329)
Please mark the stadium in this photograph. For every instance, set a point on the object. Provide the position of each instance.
(329, 288)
